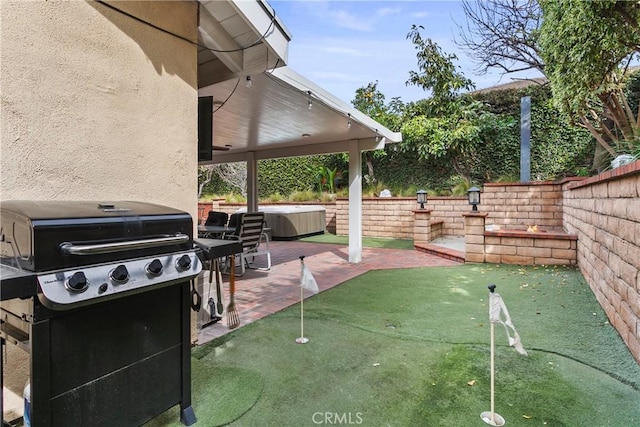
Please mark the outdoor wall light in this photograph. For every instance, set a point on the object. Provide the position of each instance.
(248, 83)
(421, 197)
(474, 197)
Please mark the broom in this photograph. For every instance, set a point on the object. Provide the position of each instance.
(233, 319)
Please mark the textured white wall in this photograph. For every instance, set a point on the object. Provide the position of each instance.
(95, 106)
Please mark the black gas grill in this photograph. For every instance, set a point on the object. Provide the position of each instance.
(99, 294)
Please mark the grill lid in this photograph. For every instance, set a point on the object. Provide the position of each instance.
(51, 235)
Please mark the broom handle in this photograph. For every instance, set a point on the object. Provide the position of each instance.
(232, 276)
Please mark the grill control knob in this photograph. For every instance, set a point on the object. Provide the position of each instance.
(77, 283)
(120, 274)
(154, 267)
(184, 262)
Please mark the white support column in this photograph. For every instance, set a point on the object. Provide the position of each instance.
(355, 202)
(252, 182)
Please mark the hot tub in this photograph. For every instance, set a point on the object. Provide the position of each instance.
(290, 222)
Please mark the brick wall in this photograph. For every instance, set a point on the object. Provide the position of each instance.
(516, 205)
(393, 216)
(507, 205)
(601, 213)
(520, 247)
(381, 217)
(604, 211)
(449, 210)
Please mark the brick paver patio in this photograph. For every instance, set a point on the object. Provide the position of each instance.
(260, 293)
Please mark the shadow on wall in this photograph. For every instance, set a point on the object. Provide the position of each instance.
(179, 18)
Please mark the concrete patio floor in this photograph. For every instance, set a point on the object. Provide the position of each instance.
(260, 293)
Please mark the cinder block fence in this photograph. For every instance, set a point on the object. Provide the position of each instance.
(593, 223)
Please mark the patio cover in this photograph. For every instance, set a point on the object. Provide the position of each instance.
(276, 113)
(272, 119)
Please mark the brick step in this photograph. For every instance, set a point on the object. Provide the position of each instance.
(440, 251)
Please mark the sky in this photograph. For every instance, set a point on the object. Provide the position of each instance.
(344, 45)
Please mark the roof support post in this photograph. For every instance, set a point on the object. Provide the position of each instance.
(252, 182)
(355, 202)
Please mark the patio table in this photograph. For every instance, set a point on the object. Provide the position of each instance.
(214, 231)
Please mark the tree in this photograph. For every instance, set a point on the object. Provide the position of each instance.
(502, 34)
(581, 47)
(233, 174)
(586, 47)
(453, 136)
(205, 175)
(370, 101)
(437, 74)
(449, 124)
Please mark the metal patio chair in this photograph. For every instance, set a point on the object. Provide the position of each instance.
(214, 218)
(250, 230)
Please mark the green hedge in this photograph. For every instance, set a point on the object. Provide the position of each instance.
(288, 175)
(557, 150)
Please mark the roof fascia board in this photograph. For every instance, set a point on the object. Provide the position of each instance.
(262, 20)
(254, 60)
(271, 11)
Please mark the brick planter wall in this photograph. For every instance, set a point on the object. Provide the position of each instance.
(522, 247)
(517, 205)
(393, 216)
(604, 211)
(381, 217)
(600, 214)
(507, 205)
(510, 246)
(449, 210)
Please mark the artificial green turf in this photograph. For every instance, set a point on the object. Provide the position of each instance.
(212, 384)
(410, 347)
(367, 242)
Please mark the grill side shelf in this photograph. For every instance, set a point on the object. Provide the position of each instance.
(218, 248)
(15, 283)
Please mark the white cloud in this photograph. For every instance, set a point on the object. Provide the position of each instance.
(344, 51)
(420, 15)
(386, 11)
(337, 76)
(342, 70)
(350, 15)
(344, 19)
(342, 46)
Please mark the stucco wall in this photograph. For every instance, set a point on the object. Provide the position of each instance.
(95, 106)
(604, 212)
(98, 106)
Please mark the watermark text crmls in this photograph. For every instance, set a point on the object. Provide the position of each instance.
(337, 418)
